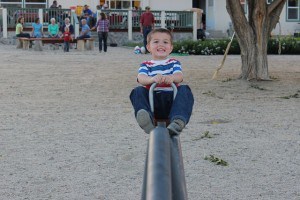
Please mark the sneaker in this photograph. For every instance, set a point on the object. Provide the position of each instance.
(176, 126)
(144, 120)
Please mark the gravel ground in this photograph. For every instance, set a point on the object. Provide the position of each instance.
(67, 129)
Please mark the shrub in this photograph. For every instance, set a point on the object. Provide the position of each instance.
(289, 45)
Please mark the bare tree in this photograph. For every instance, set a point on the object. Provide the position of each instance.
(253, 32)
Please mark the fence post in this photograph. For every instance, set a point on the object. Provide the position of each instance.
(76, 23)
(195, 26)
(129, 19)
(41, 16)
(4, 22)
(163, 19)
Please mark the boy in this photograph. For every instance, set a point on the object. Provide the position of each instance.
(67, 37)
(163, 71)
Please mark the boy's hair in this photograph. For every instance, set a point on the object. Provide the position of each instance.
(67, 28)
(159, 30)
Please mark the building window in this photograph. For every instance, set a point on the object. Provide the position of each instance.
(123, 4)
(293, 8)
(24, 3)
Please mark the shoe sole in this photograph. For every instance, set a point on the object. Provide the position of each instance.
(144, 120)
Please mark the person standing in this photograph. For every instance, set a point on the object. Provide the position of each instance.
(102, 26)
(146, 24)
(52, 11)
(54, 5)
(67, 38)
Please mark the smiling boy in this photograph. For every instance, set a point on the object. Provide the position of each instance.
(163, 71)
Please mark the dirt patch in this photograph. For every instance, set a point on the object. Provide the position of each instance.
(67, 128)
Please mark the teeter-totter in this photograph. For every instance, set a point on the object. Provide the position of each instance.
(164, 177)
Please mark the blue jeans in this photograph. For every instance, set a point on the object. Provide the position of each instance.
(102, 36)
(146, 31)
(164, 105)
(66, 46)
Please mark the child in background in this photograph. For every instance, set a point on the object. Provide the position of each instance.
(67, 38)
(164, 71)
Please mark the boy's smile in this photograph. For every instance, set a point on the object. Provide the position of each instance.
(160, 46)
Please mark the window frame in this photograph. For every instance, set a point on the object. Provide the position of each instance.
(297, 8)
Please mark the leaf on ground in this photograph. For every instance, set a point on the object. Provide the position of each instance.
(227, 80)
(216, 160)
(257, 87)
(212, 94)
(205, 134)
(296, 95)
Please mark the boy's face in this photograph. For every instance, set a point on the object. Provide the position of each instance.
(160, 46)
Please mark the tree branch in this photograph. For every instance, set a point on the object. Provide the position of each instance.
(274, 5)
(275, 15)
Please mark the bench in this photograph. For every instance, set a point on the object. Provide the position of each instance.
(24, 42)
(85, 44)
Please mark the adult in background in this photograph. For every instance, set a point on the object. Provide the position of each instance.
(37, 29)
(19, 28)
(147, 24)
(54, 4)
(85, 30)
(88, 15)
(52, 12)
(67, 24)
(53, 29)
(102, 26)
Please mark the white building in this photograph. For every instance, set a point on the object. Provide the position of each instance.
(217, 18)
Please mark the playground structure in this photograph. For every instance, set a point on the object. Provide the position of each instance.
(164, 177)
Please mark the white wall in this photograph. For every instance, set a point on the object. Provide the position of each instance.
(220, 19)
(176, 5)
(223, 18)
(287, 28)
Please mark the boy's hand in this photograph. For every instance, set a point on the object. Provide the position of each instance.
(168, 79)
(158, 79)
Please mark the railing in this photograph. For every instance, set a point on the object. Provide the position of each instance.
(179, 19)
(29, 14)
(1, 23)
(118, 18)
(175, 20)
(75, 22)
(58, 14)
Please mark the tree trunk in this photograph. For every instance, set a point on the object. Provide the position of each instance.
(253, 34)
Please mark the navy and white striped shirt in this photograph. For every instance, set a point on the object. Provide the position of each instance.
(165, 67)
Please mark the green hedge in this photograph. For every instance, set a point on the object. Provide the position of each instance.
(289, 45)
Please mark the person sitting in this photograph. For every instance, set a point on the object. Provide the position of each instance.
(85, 30)
(19, 28)
(53, 29)
(161, 70)
(67, 24)
(37, 29)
